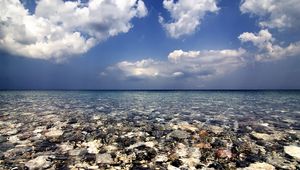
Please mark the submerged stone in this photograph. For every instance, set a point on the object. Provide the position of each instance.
(179, 134)
(54, 133)
(293, 151)
(40, 162)
(104, 159)
(259, 166)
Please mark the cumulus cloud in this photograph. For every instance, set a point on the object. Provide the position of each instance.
(59, 29)
(205, 64)
(274, 13)
(186, 15)
(267, 48)
(181, 64)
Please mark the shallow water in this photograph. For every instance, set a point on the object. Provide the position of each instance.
(149, 129)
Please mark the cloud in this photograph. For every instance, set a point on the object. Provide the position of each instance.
(201, 65)
(274, 13)
(59, 29)
(267, 48)
(206, 64)
(186, 15)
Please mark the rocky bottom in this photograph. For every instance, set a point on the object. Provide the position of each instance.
(137, 140)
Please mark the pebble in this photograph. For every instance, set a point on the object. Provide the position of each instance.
(223, 153)
(259, 166)
(293, 151)
(262, 136)
(179, 134)
(54, 133)
(40, 162)
(104, 159)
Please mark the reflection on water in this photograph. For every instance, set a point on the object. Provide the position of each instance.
(149, 130)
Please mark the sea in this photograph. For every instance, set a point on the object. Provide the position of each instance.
(153, 129)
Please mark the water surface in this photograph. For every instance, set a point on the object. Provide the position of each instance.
(149, 129)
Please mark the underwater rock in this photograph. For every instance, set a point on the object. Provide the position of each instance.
(161, 158)
(262, 136)
(92, 146)
(40, 162)
(176, 163)
(2, 139)
(203, 145)
(179, 134)
(223, 153)
(89, 157)
(72, 120)
(53, 133)
(104, 159)
(293, 151)
(144, 152)
(203, 133)
(259, 166)
(45, 145)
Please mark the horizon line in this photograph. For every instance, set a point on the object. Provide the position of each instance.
(216, 89)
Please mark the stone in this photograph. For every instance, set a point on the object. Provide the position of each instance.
(72, 120)
(2, 139)
(40, 162)
(203, 133)
(176, 163)
(203, 145)
(54, 133)
(187, 127)
(144, 152)
(161, 158)
(45, 146)
(93, 146)
(293, 151)
(104, 159)
(262, 136)
(216, 129)
(223, 153)
(259, 166)
(179, 134)
(6, 146)
(89, 157)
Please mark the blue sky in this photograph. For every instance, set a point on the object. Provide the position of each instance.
(150, 44)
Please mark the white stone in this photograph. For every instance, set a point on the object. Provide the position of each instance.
(14, 139)
(54, 133)
(148, 144)
(39, 162)
(161, 158)
(293, 151)
(65, 147)
(104, 158)
(259, 166)
(93, 146)
(216, 129)
(111, 148)
(262, 136)
(188, 127)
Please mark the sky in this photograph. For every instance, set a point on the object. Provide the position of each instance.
(149, 44)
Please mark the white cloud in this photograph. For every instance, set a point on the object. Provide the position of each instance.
(191, 64)
(267, 48)
(206, 64)
(186, 15)
(61, 29)
(274, 13)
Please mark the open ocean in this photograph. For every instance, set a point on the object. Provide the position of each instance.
(149, 129)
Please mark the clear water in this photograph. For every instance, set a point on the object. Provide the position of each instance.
(261, 105)
(151, 116)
